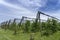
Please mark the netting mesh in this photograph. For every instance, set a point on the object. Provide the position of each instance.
(39, 28)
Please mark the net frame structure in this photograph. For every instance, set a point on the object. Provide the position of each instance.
(37, 19)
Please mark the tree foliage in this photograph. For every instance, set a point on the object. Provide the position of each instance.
(48, 27)
(27, 26)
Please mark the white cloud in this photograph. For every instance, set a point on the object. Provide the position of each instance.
(17, 11)
(10, 5)
(1, 1)
(28, 2)
(33, 4)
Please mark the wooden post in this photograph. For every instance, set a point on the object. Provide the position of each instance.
(32, 36)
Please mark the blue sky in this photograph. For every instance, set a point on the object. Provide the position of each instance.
(10, 9)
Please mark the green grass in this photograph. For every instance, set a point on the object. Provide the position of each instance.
(8, 35)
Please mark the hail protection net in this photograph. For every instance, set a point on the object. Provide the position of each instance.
(43, 27)
(49, 25)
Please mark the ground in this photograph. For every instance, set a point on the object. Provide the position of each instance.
(8, 35)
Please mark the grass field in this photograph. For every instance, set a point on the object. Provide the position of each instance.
(8, 35)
